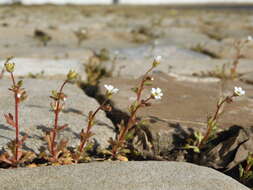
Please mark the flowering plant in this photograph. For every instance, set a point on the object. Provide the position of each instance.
(59, 98)
(118, 145)
(86, 134)
(17, 155)
(202, 139)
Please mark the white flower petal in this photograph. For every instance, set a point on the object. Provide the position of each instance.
(158, 58)
(239, 91)
(110, 89)
(156, 93)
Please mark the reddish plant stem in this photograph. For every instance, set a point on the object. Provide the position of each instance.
(214, 118)
(236, 60)
(141, 86)
(83, 142)
(56, 112)
(132, 119)
(248, 167)
(131, 122)
(16, 116)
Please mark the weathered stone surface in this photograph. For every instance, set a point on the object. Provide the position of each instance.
(118, 175)
(36, 117)
(191, 38)
(166, 51)
(176, 62)
(49, 67)
(248, 78)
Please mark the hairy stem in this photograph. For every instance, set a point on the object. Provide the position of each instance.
(213, 119)
(56, 112)
(132, 118)
(131, 122)
(141, 86)
(16, 116)
(84, 141)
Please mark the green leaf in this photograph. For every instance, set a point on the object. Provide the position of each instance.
(88, 147)
(20, 83)
(133, 106)
(125, 151)
(148, 83)
(198, 135)
(250, 159)
(130, 135)
(194, 148)
(241, 171)
(54, 94)
(135, 90)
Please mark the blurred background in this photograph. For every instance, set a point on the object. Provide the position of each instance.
(124, 1)
(51, 32)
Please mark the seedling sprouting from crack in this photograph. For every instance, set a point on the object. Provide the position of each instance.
(238, 46)
(16, 155)
(95, 69)
(42, 36)
(118, 146)
(81, 35)
(86, 134)
(57, 105)
(228, 70)
(201, 140)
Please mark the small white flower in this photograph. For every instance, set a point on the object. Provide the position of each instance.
(238, 91)
(250, 38)
(156, 93)
(158, 58)
(110, 89)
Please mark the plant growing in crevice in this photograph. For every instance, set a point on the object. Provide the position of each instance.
(16, 156)
(36, 75)
(42, 36)
(86, 134)
(238, 46)
(202, 49)
(201, 140)
(81, 35)
(246, 173)
(103, 55)
(228, 70)
(95, 69)
(118, 145)
(58, 150)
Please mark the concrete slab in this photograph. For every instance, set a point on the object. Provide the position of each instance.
(118, 175)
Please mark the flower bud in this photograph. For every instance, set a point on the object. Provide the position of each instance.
(72, 75)
(157, 61)
(9, 67)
